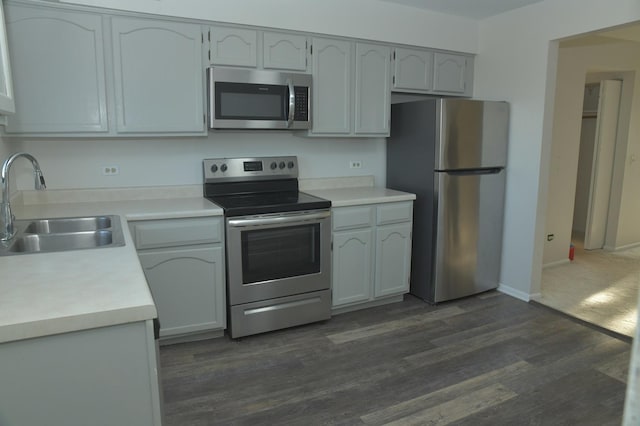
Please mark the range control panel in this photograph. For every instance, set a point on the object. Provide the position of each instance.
(256, 168)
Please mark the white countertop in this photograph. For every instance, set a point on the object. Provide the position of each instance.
(358, 195)
(51, 293)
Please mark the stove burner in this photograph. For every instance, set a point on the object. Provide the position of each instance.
(252, 186)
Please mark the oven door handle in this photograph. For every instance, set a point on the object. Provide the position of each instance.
(259, 221)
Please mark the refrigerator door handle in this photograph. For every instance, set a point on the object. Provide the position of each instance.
(474, 172)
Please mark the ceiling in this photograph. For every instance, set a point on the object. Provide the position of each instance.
(475, 9)
(481, 9)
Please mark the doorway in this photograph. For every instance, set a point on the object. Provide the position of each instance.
(596, 162)
(600, 286)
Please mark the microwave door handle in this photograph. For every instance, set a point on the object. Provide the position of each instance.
(292, 102)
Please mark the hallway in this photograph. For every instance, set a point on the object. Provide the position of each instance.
(599, 287)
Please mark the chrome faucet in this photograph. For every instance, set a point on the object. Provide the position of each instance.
(7, 231)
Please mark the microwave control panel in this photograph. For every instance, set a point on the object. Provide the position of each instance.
(302, 104)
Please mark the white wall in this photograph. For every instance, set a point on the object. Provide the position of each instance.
(516, 62)
(157, 162)
(4, 149)
(368, 19)
(573, 65)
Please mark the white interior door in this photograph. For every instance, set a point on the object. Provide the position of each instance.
(603, 156)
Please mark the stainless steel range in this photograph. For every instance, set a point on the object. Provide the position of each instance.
(278, 244)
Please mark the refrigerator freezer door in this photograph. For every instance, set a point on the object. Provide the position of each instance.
(469, 232)
(472, 134)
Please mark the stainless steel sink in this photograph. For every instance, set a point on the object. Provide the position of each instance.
(69, 224)
(63, 234)
(57, 242)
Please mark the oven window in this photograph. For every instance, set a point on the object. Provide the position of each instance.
(244, 101)
(269, 254)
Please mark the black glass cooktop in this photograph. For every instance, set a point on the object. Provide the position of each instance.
(269, 202)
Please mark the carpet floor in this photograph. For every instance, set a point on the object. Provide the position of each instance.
(598, 286)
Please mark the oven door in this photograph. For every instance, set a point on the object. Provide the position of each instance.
(278, 255)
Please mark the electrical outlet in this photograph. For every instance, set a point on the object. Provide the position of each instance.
(355, 164)
(111, 170)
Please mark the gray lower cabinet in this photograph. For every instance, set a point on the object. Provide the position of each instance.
(371, 253)
(352, 266)
(183, 261)
(102, 377)
(393, 259)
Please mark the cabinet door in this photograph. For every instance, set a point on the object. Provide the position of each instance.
(352, 268)
(188, 288)
(413, 70)
(7, 102)
(233, 46)
(158, 76)
(393, 259)
(284, 51)
(61, 84)
(331, 86)
(373, 91)
(450, 73)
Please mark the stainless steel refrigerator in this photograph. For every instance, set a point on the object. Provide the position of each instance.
(452, 154)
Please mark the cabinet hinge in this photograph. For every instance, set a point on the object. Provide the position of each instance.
(394, 79)
(394, 55)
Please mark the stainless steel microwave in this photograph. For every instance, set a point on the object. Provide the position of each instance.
(257, 99)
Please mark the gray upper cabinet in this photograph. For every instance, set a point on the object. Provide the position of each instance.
(158, 76)
(425, 71)
(413, 70)
(372, 80)
(284, 51)
(450, 73)
(233, 46)
(7, 101)
(331, 67)
(351, 88)
(81, 72)
(59, 82)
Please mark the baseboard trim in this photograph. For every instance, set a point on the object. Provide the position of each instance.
(510, 291)
(556, 263)
(625, 247)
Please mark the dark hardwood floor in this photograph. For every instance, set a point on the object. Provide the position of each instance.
(484, 360)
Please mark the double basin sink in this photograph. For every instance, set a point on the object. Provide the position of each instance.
(62, 234)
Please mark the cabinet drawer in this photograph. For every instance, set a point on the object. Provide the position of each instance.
(394, 213)
(352, 217)
(176, 232)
